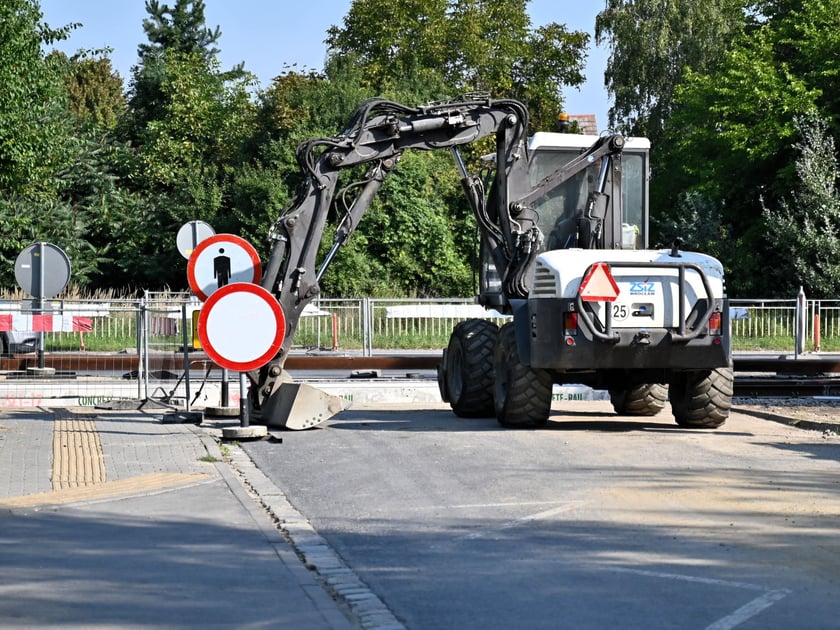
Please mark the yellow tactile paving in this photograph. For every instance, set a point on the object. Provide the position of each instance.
(106, 489)
(78, 469)
(77, 454)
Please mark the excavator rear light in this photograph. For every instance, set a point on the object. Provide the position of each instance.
(715, 326)
(570, 324)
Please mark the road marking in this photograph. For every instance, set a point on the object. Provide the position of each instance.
(689, 578)
(744, 613)
(749, 610)
(520, 521)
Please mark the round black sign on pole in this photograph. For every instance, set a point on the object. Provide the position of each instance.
(42, 270)
(190, 235)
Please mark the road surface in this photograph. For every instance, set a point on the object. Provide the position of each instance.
(595, 521)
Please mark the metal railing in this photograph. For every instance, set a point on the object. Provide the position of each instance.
(773, 324)
(164, 322)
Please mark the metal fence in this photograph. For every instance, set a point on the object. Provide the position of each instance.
(89, 351)
(797, 325)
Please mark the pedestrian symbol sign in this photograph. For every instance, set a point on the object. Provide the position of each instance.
(598, 285)
(221, 260)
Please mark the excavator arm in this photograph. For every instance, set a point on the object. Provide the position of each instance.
(376, 136)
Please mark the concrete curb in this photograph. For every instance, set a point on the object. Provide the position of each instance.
(313, 551)
(269, 524)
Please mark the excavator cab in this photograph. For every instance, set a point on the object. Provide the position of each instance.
(564, 212)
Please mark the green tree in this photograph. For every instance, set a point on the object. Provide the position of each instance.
(652, 44)
(187, 122)
(180, 28)
(461, 46)
(174, 32)
(805, 229)
(185, 159)
(95, 91)
(408, 242)
(730, 140)
(33, 108)
(37, 142)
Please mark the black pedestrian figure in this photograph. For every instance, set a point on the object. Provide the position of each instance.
(221, 268)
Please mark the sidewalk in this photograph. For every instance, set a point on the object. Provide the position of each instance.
(116, 519)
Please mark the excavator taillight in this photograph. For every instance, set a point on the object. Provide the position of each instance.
(570, 324)
(715, 328)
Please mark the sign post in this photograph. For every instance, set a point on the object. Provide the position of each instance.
(216, 261)
(42, 270)
(242, 327)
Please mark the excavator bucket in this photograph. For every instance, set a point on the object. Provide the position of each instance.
(298, 406)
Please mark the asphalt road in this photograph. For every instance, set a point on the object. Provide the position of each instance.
(595, 521)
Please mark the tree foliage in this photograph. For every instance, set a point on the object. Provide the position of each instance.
(412, 229)
(32, 125)
(739, 97)
(186, 124)
(180, 28)
(731, 139)
(805, 229)
(652, 44)
(94, 91)
(463, 46)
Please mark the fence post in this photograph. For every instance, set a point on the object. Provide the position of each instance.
(185, 342)
(801, 322)
(367, 328)
(817, 330)
(141, 347)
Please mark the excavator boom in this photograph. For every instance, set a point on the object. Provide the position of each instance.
(375, 138)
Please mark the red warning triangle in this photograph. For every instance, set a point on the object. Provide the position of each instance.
(598, 285)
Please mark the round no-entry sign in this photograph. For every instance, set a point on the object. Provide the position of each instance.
(221, 260)
(241, 326)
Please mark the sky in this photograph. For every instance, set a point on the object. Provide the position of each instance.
(271, 36)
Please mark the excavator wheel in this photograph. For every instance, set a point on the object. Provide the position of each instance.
(642, 400)
(466, 375)
(702, 399)
(522, 393)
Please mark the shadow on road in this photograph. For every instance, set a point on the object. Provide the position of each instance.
(445, 420)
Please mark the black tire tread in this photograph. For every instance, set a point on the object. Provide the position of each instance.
(647, 399)
(702, 399)
(526, 400)
(475, 340)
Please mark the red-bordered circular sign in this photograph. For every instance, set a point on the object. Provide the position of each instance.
(241, 326)
(222, 260)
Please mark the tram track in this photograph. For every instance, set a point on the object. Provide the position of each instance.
(781, 386)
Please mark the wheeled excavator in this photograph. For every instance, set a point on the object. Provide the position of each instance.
(563, 256)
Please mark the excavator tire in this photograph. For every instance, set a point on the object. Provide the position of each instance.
(467, 378)
(642, 400)
(702, 399)
(522, 393)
